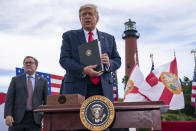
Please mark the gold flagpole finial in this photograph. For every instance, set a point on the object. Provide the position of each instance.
(194, 53)
(151, 56)
(135, 58)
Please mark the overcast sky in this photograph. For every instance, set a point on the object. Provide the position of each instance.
(35, 27)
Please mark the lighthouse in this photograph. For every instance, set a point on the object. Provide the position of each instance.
(130, 35)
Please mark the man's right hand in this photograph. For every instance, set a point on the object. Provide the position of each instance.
(89, 70)
(9, 120)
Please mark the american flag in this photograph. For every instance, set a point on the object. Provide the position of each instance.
(193, 98)
(115, 86)
(54, 82)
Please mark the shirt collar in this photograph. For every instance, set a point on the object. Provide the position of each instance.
(32, 76)
(95, 34)
(86, 32)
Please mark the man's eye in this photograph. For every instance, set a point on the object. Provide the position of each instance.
(83, 14)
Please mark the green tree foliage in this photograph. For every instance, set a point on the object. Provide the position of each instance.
(120, 99)
(124, 80)
(187, 91)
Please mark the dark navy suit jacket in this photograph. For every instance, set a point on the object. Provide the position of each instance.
(74, 80)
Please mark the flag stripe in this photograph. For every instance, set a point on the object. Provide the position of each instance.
(173, 67)
(55, 85)
(166, 96)
(114, 88)
(193, 91)
(116, 99)
(56, 77)
(53, 89)
(193, 87)
(54, 93)
(56, 81)
(193, 103)
(144, 96)
(192, 99)
(135, 90)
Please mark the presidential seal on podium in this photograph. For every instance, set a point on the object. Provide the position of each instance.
(97, 113)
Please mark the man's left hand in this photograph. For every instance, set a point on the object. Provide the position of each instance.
(105, 60)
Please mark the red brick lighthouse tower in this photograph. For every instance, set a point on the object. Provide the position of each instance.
(130, 36)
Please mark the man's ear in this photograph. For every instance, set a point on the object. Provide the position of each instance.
(80, 19)
(97, 18)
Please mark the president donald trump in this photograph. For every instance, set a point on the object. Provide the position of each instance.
(84, 79)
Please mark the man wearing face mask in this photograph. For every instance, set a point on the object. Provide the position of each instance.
(84, 79)
(25, 93)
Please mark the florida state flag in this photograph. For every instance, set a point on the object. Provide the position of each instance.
(165, 86)
(134, 84)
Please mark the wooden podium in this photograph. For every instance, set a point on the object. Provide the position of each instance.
(127, 115)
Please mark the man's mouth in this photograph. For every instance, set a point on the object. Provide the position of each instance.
(87, 22)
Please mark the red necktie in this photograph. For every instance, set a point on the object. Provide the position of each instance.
(94, 80)
(30, 93)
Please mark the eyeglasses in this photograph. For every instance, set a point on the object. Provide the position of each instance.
(30, 63)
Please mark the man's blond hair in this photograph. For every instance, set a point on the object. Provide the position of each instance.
(91, 6)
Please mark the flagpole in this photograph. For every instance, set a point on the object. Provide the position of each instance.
(151, 57)
(194, 53)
